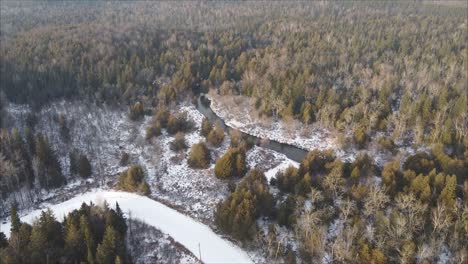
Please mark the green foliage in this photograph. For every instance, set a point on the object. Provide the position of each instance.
(231, 164)
(73, 158)
(3, 240)
(178, 123)
(46, 239)
(82, 235)
(287, 180)
(360, 137)
(48, 169)
(315, 162)
(216, 136)
(199, 156)
(14, 219)
(392, 177)
(84, 170)
(447, 196)
(206, 127)
(153, 130)
(420, 162)
(236, 215)
(387, 144)
(285, 214)
(132, 179)
(161, 115)
(362, 167)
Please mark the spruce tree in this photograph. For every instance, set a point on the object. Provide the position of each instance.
(107, 249)
(84, 167)
(3, 240)
(14, 219)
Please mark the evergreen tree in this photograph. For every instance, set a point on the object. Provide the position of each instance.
(3, 240)
(206, 127)
(46, 239)
(50, 175)
(14, 219)
(231, 164)
(199, 156)
(107, 249)
(84, 167)
(74, 247)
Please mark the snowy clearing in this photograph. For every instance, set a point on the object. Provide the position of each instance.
(281, 167)
(194, 235)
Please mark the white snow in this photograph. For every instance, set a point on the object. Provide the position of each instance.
(193, 235)
(281, 167)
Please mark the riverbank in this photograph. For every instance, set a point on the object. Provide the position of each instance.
(238, 112)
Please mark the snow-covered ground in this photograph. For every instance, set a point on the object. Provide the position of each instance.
(238, 112)
(104, 133)
(195, 236)
(146, 244)
(271, 162)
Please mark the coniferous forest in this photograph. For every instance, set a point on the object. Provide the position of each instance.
(388, 81)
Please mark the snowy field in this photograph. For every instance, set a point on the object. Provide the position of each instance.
(195, 236)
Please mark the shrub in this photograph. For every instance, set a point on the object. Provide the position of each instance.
(136, 111)
(206, 127)
(199, 156)
(178, 123)
(132, 180)
(420, 162)
(232, 163)
(360, 137)
(387, 143)
(161, 115)
(288, 179)
(179, 142)
(216, 136)
(153, 130)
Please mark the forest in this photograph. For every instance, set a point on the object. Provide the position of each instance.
(389, 73)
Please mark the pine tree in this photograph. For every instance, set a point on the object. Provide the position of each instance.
(84, 167)
(74, 248)
(85, 229)
(14, 218)
(447, 195)
(107, 249)
(74, 164)
(231, 164)
(3, 240)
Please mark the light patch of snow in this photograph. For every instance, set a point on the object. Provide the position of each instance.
(270, 161)
(445, 256)
(334, 230)
(280, 168)
(193, 235)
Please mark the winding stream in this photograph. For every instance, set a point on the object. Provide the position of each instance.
(292, 152)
